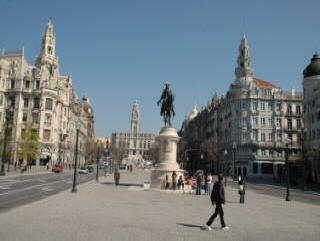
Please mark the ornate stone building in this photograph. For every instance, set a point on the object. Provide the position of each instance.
(258, 118)
(311, 115)
(134, 142)
(45, 99)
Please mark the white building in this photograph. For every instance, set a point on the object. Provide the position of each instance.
(45, 99)
(257, 117)
(311, 113)
(135, 143)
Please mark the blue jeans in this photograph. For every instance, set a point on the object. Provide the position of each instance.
(209, 188)
(198, 191)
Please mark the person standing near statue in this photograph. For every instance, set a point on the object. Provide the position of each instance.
(116, 177)
(174, 180)
(242, 190)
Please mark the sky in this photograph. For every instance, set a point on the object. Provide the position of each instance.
(119, 51)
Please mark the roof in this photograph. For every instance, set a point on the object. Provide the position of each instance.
(313, 68)
(264, 83)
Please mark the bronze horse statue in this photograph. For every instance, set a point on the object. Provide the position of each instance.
(167, 108)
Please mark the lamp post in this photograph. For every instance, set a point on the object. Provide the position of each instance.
(9, 112)
(225, 167)
(287, 171)
(74, 186)
(234, 148)
(98, 161)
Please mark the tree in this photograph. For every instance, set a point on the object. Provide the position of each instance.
(152, 153)
(29, 145)
(90, 150)
(209, 149)
(118, 153)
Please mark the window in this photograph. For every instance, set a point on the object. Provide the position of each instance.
(255, 167)
(262, 106)
(263, 152)
(12, 83)
(12, 101)
(46, 135)
(25, 102)
(36, 103)
(270, 122)
(318, 115)
(27, 84)
(23, 132)
(290, 137)
(255, 121)
(279, 137)
(35, 117)
(263, 122)
(1, 100)
(298, 123)
(298, 109)
(289, 124)
(24, 116)
(263, 137)
(289, 109)
(269, 106)
(266, 168)
(38, 84)
(278, 107)
(47, 119)
(270, 137)
(255, 105)
(48, 104)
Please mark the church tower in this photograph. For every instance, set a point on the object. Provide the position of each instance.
(47, 55)
(135, 118)
(244, 66)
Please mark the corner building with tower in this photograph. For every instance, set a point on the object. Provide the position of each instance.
(45, 99)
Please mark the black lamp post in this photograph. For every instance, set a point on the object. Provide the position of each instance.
(287, 172)
(74, 186)
(225, 167)
(234, 148)
(98, 161)
(9, 113)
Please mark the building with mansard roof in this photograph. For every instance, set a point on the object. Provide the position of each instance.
(135, 143)
(45, 99)
(257, 118)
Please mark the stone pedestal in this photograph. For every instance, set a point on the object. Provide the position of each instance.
(167, 140)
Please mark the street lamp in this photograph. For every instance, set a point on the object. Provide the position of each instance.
(287, 170)
(74, 186)
(225, 167)
(234, 148)
(9, 114)
(98, 161)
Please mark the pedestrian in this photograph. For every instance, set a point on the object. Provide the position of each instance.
(217, 198)
(15, 165)
(167, 183)
(242, 189)
(116, 177)
(209, 184)
(199, 184)
(180, 183)
(174, 180)
(47, 166)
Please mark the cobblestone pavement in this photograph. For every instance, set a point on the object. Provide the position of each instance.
(106, 212)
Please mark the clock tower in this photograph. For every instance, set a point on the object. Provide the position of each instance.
(135, 118)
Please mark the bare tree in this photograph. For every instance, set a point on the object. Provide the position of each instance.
(152, 153)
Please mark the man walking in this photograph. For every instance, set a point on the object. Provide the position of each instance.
(217, 198)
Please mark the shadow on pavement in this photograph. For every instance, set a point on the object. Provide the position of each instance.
(124, 184)
(194, 226)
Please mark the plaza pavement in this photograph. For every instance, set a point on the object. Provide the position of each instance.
(105, 212)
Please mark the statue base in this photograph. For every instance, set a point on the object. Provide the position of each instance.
(167, 139)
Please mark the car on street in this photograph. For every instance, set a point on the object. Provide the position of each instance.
(83, 170)
(90, 168)
(57, 168)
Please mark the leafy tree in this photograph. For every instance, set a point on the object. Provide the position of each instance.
(28, 144)
(152, 153)
(91, 151)
(118, 153)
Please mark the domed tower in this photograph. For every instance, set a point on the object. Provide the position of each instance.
(311, 113)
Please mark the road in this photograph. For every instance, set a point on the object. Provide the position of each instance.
(20, 190)
(298, 195)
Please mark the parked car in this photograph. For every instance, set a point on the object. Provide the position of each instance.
(90, 168)
(83, 170)
(57, 168)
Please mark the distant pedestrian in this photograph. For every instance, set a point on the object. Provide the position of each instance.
(209, 184)
(167, 183)
(242, 189)
(174, 180)
(116, 177)
(47, 166)
(217, 198)
(199, 184)
(15, 165)
(180, 183)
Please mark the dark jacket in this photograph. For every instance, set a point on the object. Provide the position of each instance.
(217, 194)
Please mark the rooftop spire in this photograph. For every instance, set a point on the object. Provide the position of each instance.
(244, 66)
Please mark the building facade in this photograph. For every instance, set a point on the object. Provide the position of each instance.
(251, 124)
(135, 143)
(45, 100)
(311, 116)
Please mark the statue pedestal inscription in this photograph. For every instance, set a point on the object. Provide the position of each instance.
(167, 139)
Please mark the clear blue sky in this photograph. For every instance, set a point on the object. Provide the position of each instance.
(122, 50)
